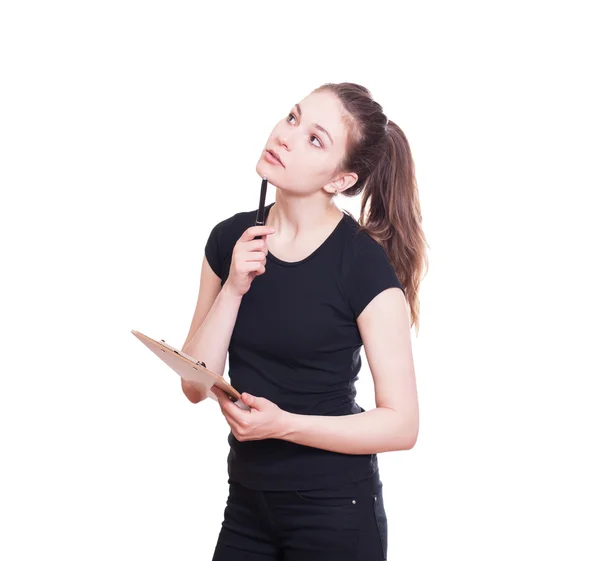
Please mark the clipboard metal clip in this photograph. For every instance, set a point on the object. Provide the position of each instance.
(180, 354)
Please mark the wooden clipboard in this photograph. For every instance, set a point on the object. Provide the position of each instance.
(191, 370)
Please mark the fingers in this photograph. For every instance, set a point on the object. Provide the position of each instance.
(255, 246)
(249, 258)
(253, 267)
(221, 395)
(230, 411)
(254, 231)
(252, 252)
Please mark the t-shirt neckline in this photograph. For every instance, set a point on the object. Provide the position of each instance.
(327, 240)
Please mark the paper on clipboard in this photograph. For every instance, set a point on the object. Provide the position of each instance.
(190, 369)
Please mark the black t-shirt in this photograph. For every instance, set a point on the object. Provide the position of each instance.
(296, 343)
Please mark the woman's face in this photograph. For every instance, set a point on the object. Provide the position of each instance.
(310, 142)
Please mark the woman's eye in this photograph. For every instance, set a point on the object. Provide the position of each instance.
(313, 136)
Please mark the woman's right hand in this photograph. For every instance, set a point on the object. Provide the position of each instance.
(248, 259)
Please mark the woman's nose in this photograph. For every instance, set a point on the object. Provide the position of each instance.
(283, 141)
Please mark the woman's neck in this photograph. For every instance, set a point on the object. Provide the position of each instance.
(295, 218)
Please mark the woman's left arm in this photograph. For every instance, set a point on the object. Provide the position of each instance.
(384, 327)
(392, 425)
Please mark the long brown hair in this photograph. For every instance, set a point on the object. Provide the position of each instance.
(378, 152)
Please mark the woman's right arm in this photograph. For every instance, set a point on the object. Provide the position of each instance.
(217, 308)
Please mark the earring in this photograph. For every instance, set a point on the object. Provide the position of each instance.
(337, 192)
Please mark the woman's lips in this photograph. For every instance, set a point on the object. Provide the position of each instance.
(272, 159)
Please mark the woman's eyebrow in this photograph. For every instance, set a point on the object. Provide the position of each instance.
(319, 127)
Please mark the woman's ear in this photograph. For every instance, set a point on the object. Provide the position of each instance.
(343, 182)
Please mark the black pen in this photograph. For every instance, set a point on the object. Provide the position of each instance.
(260, 215)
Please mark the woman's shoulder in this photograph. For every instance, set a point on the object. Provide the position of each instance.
(359, 239)
(233, 223)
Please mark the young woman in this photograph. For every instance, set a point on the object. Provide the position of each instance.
(293, 309)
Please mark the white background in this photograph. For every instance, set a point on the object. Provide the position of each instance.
(128, 129)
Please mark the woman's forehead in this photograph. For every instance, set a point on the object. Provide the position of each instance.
(324, 109)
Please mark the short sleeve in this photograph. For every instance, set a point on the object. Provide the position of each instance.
(371, 272)
(213, 252)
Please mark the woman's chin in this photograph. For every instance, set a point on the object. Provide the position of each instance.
(260, 168)
(264, 170)
(267, 171)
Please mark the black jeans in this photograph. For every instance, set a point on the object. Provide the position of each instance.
(346, 523)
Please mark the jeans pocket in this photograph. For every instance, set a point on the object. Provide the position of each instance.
(381, 520)
(331, 497)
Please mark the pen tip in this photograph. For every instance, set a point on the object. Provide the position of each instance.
(265, 178)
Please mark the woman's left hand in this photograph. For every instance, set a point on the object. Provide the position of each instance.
(264, 420)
